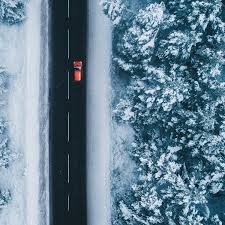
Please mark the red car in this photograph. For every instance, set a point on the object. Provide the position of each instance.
(77, 74)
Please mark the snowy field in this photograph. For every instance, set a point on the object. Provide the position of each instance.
(24, 56)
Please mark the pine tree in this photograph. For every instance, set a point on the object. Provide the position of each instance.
(136, 48)
(174, 53)
(114, 9)
(12, 11)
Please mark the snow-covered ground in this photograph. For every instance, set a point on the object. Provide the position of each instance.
(23, 53)
(98, 116)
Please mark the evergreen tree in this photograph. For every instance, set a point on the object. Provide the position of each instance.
(12, 11)
(137, 46)
(174, 53)
(114, 9)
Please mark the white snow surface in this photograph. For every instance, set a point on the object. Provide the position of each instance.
(24, 56)
(98, 116)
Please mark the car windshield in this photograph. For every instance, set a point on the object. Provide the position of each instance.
(77, 67)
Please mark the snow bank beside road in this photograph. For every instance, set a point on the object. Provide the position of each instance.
(98, 116)
(31, 110)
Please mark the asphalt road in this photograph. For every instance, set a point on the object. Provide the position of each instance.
(67, 113)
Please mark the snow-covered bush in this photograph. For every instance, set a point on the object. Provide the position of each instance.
(6, 154)
(12, 11)
(175, 102)
(5, 198)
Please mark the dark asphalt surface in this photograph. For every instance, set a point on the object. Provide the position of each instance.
(68, 189)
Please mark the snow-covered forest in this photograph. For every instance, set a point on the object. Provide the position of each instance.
(168, 79)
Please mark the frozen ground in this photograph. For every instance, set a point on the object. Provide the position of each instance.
(98, 122)
(23, 54)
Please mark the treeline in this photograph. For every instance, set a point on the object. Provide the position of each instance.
(173, 52)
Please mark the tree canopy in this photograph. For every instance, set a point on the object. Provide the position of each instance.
(12, 11)
(174, 53)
